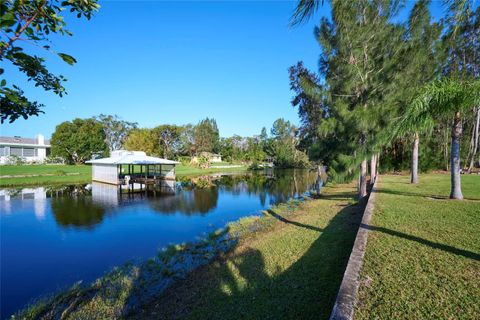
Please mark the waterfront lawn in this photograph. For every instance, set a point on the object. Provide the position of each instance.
(182, 170)
(24, 175)
(290, 271)
(423, 254)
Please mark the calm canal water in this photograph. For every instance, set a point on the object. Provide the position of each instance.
(52, 237)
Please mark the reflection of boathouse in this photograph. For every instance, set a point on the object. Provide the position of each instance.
(108, 194)
(131, 167)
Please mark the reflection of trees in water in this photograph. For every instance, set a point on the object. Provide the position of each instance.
(76, 211)
(68, 190)
(197, 195)
(187, 201)
(280, 185)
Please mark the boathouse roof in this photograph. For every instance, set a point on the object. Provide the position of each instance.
(131, 157)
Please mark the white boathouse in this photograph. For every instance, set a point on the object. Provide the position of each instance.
(123, 167)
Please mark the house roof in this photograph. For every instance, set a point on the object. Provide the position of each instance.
(131, 157)
(19, 141)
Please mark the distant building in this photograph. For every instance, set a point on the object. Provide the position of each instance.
(212, 157)
(30, 150)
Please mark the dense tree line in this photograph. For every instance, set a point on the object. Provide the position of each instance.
(280, 147)
(78, 140)
(388, 91)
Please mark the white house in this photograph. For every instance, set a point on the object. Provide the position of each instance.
(131, 167)
(30, 150)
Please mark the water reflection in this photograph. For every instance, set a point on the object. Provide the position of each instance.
(192, 202)
(82, 231)
(39, 194)
(77, 212)
(85, 206)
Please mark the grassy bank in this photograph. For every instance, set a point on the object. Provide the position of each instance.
(182, 170)
(289, 271)
(423, 255)
(286, 264)
(37, 175)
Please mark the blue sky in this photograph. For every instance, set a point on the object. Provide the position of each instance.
(157, 62)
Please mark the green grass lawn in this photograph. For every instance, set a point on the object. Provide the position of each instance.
(182, 170)
(291, 271)
(23, 175)
(33, 175)
(216, 164)
(423, 254)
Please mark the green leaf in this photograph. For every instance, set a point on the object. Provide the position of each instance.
(67, 58)
(3, 83)
(7, 20)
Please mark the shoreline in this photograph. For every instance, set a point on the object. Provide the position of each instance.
(326, 225)
(150, 276)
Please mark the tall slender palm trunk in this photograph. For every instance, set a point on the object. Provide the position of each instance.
(414, 168)
(456, 192)
(373, 168)
(362, 183)
(445, 152)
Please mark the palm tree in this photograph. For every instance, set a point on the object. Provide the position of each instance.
(445, 97)
(410, 127)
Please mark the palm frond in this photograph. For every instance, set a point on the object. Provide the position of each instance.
(304, 10)
(438, 99)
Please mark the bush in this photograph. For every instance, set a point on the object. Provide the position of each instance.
(202, 162)
(14, 160)
(301, 160)
(255, 166)
(185, 160)
(54, 160)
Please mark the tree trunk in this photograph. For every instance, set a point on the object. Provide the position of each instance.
(456, 192)
(377, 161)
(475, 141)
(373, 169)
(362, 188)
(445, 152)
(414, 169)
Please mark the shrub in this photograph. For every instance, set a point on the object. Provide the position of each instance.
(14, 160)
(185, 160)
(54, 160)
(201, 161)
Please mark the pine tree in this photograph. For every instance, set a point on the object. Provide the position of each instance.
(361, 50)
(421, 64)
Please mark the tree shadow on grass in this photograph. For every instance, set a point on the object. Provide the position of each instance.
(434, 245)
(335, 196)
(431, 196)
(252, 285)
(285, 220)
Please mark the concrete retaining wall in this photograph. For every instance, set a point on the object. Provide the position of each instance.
(347, 294)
